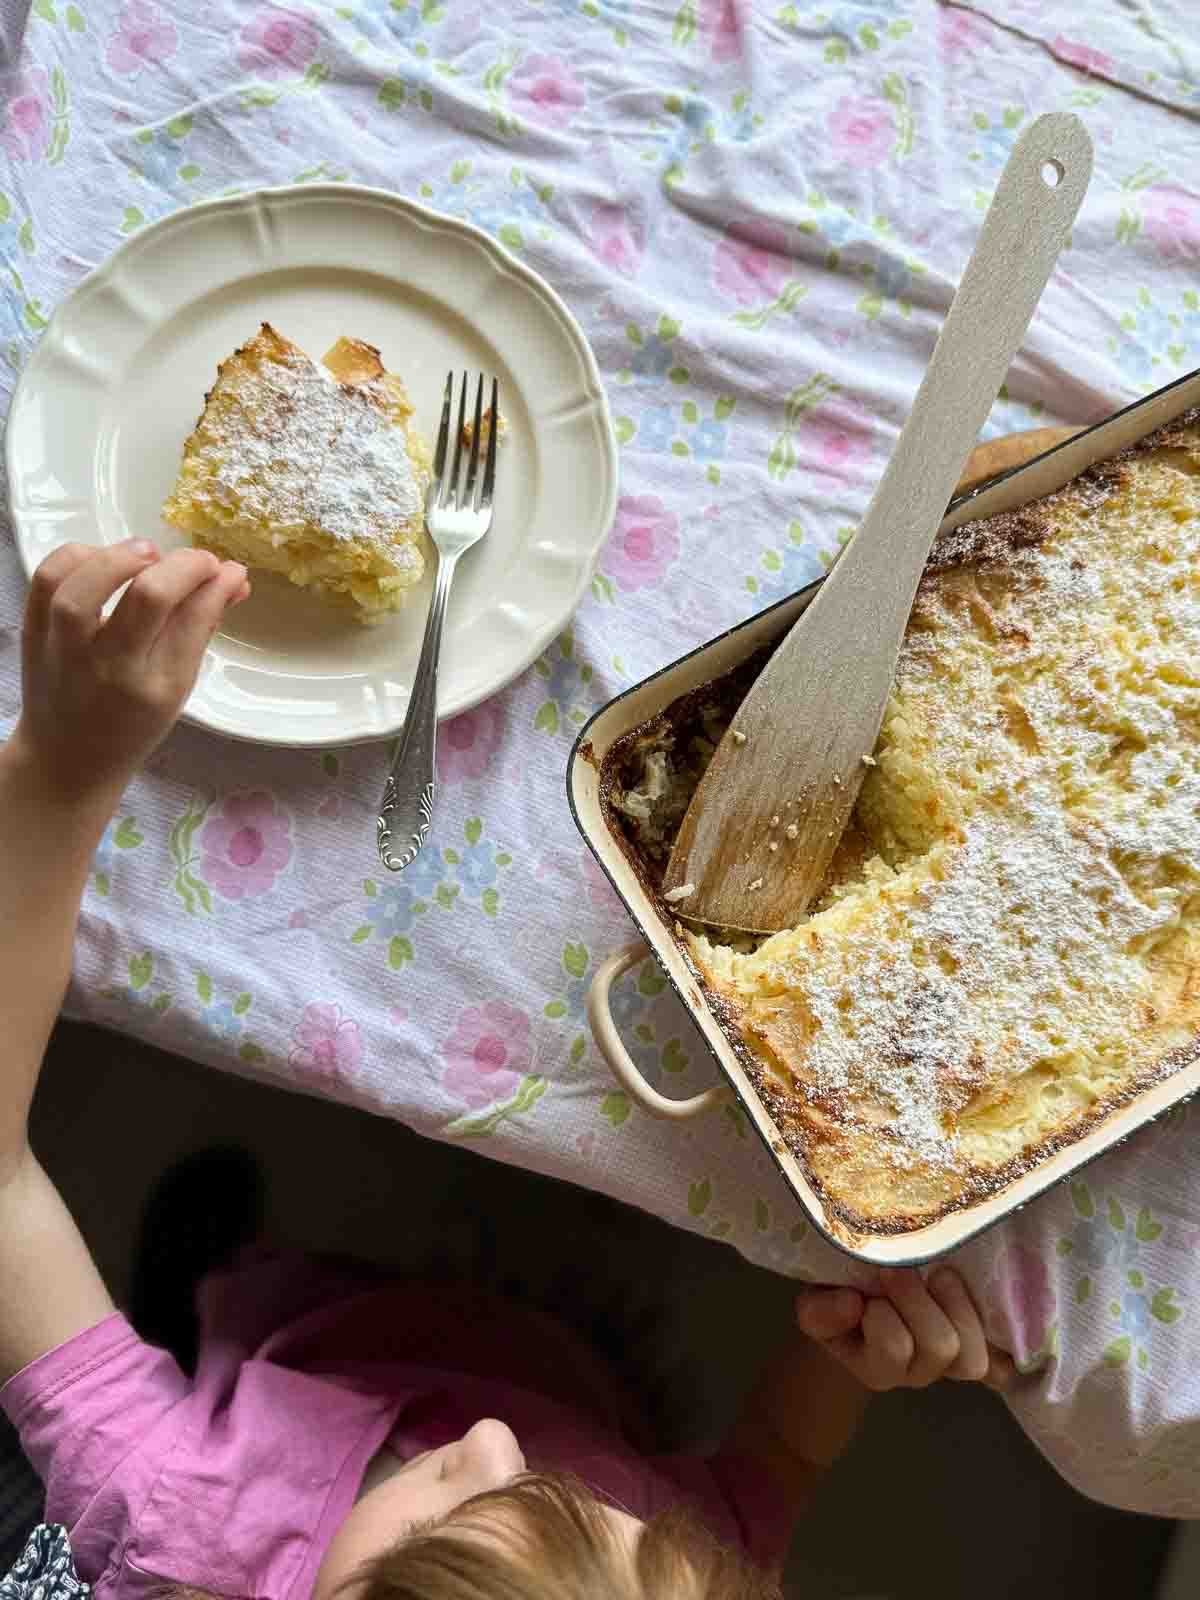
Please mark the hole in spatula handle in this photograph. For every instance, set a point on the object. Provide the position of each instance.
(1053, 173)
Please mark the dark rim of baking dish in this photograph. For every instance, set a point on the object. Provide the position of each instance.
(579, 752)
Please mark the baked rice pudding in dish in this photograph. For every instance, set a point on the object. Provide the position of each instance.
(1007, 946)
(313, 471)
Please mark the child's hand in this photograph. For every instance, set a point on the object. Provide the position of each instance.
(911, 1333)
(100, 694)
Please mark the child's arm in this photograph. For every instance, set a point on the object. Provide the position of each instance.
(808, 1403)
(98, 696)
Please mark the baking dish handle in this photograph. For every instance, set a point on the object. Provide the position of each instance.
(604, 1032)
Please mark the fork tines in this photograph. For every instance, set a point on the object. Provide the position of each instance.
(476, 496)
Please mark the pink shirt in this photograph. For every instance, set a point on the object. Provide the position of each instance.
(236, 1482)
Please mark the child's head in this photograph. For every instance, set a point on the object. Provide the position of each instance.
(467, 1522)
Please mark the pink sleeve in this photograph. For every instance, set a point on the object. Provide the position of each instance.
(748, 1500)
(81, 1410)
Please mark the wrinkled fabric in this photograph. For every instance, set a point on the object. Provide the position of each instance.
(758, 213)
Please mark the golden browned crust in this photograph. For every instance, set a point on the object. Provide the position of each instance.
(818, 1127)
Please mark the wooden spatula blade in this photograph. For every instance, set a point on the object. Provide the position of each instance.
(793, 758)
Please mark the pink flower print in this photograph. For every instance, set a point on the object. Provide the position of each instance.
(643, 544)
(1082, 56)
(863, 130)
(298, 919)
(144, 37)
(246, 845)
(1020, 1302)
(721, 23)
(277, 43)
(26, 135)
(618, 239)
(1172, 220)
(751, 264)
(467, 744)
(839, 439)
(546, 90)
(960, 34)
(326, 1042)
(487, 1054)
(570, 873)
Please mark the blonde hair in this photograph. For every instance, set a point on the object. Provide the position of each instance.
(548, 1539)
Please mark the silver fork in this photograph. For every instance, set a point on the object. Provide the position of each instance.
(455, 523)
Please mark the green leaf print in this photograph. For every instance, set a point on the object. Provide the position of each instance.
(691, 411)
(512, 238)
(624, 428)
(724, 407)
(650, 979)
(668, 328)
(446, 894)
(577, 1049)
(762, 1215)
(329, 764)
(1081, 1199)
(633, 333)
(1147, 1229)
(473, 830)
(131, 220)
(252, 1053)
(615, 1107)
(737, 1120)
(1083, 1291)
(575, 960)
(895, 91)
(713, 474)
(75, 20)
(400, 950)
(555, 1009)
(699, 1196)
(391, 94)
(103, 883)
(529, 1092)
(674, 1058)
(242, 1004)
(490, 901)
(361, 935)
(1163, 1307)
(679, 374)
(1116, 1217)
(1118, 1352)
(140, 969)
(127, 836)
(546, 720)
(798, 1231)
(684, 29)
(45, 10)
(204, 988)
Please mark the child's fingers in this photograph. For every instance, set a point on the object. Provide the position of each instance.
(74, 605)
(151, 598)
(825, 1313)
(950, 1292)
(181, 643)
(53, 571)
(935, 1338)
(1001, 1372)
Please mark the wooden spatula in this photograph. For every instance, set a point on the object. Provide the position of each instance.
(790, 767)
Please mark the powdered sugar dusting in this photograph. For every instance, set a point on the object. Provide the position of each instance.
(299, 448)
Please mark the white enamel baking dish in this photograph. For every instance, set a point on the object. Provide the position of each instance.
(651, 697)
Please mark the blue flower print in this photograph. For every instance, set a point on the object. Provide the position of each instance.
(221, 1019)
(708, 440)
(424, 874)
(575, 996)
(390, 909)
(656, 429)
(893, 279)
(1155, 328)
(562, 684)
(1135, 1315)
(626, 1003)
(476, 866)
(1097, 1245)
(798, 566)
(102, 860)
(652, 358)
(1136, 361)
(995, 143)
(382, 22)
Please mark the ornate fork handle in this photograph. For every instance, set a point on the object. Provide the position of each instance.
(407, 805)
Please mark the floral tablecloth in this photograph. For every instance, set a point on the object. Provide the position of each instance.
(758, 212)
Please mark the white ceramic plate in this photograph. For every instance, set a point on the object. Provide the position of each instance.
(103, 407)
